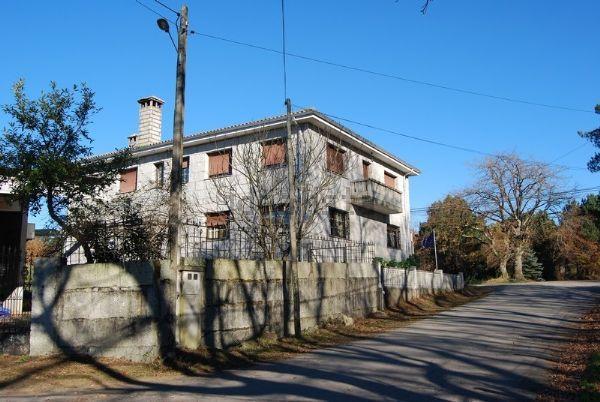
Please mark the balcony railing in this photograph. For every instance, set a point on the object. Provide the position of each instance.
(376, 196)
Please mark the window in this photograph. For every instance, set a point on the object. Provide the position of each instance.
(217, 225)
(219, 163)
(276, 215)
(389, 180)
(185, 170)
(128, 181)
(340, 223)
(159, 171)
(335, 159)
(365, 167)
(273, 152)
(393, 236)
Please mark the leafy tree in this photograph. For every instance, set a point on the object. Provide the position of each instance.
(579, 247)
(458, 236)
(544, 244)
(45, 152)
(594, 137)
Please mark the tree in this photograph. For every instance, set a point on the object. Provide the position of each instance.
(45, 153)
(578, 238)
(532, 268)
(510, 191)
(458, 235)
(594, 137)
(257, 191)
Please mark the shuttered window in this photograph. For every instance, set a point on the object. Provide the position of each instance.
(273, 153)
(335, 159)
(217, 225)
(365, 166)
(389, 180)
(128, 181)
(219, 163)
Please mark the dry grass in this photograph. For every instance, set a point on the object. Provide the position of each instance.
(576, 375)
(35, 375)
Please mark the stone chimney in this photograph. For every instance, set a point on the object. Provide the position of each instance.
(149, 131)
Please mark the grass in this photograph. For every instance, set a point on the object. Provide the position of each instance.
(36, 375)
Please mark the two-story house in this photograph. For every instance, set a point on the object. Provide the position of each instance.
(369, 204)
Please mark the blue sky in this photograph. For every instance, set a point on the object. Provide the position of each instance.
(541, 51)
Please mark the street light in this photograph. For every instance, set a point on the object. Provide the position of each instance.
(163, 24)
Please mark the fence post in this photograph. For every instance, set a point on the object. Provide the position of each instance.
(380, 287)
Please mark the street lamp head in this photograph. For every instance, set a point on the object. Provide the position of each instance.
(163, 24)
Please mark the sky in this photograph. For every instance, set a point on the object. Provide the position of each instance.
(537, 50)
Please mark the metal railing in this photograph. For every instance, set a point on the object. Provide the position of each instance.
(231, 242)
(15, 291)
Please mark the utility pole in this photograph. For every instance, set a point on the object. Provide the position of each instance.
(177, 152)
(435, 250)
(293, 272)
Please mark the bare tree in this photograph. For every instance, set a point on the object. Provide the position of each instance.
(257, 191)
(509, 192)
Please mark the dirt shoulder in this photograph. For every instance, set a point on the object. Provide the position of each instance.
(37, 375)
(576, 375)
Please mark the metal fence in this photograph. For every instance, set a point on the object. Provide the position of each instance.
(228, 241)
(15, 290)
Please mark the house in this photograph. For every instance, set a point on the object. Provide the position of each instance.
(370, 202)
(13, 235)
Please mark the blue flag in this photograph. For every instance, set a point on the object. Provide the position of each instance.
(428, 241)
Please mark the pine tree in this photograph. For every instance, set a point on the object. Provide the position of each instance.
(532, 268)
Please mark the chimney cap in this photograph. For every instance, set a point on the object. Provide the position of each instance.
(141, 101)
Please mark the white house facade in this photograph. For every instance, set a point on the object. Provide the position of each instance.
(370, 201)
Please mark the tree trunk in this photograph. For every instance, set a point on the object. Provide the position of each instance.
(503, 270)
(519, 264)
(63, 225)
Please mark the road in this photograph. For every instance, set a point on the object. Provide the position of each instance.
(496, 348)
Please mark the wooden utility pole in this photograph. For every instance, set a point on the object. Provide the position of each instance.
(293, 272)
(177, 152)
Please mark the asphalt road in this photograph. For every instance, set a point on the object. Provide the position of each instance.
(497, 348)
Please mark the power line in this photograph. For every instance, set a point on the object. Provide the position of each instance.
(571, 192)
(167, 7)
(393, 76)
(569, 152)
(426, 140)
(155, 12)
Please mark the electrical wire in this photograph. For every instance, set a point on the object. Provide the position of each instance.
(167, 7)
(569, 152)
(393, 76)
(426, 140)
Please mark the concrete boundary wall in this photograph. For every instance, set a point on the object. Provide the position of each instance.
(244, 299)
(108, 310)
(406, 284)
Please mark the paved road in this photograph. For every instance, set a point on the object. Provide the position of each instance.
(496, 348)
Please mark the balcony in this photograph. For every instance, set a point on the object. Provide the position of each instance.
(373, 195)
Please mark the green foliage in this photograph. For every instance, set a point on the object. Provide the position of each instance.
(45, 151)
(594, 137)
(532, 268)
(412, 261)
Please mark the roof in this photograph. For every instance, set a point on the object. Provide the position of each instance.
(241, 129)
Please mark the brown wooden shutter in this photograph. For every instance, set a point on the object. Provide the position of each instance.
(366, 169)
(389, 180)
(335, 159)
(128, 181)
(217, 219)
(273, 153)
(219, 163)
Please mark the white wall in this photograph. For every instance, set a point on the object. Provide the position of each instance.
(362, 225)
